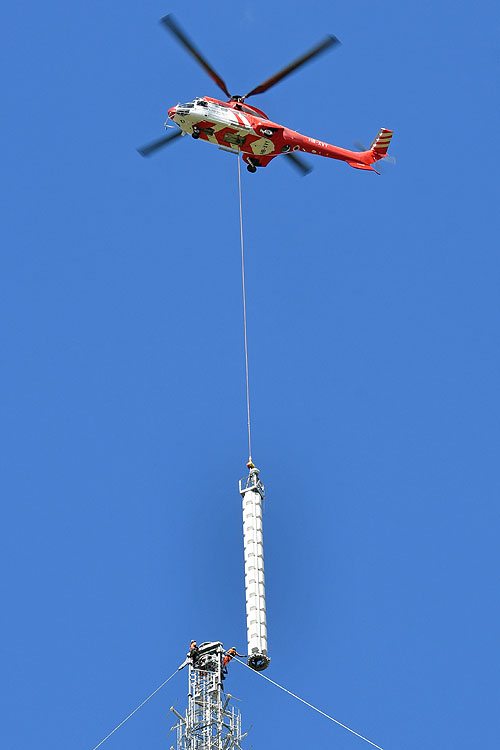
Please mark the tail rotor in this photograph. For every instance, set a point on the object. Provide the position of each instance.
(379, 149)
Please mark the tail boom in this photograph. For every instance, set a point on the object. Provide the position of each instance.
(356, 159)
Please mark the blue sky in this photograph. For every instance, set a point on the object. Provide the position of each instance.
(373, 314)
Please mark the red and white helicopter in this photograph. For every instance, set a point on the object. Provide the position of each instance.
(236, 126)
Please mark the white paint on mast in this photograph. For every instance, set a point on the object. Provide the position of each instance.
(252, 492)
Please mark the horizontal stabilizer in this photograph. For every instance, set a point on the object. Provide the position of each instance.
(358, 165)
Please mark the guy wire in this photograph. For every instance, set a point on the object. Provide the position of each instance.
(336, 721)
(135, 710)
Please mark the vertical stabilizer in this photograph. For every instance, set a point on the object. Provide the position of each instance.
(381, 143)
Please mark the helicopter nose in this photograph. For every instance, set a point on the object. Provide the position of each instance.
(171, 112)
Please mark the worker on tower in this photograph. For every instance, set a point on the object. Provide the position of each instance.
(227, 658)
(191, 656)
(193, 653)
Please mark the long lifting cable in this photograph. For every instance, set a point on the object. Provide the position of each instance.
(244, 312)
(135, 710)
(309, 704)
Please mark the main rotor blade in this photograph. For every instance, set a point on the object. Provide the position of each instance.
(150, 148)
(172, 25)
(299, 164)
(321, 47)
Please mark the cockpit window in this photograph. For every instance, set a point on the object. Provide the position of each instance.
(189, 105)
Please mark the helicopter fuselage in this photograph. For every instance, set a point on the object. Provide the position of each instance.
(235, 126)
(238, 127)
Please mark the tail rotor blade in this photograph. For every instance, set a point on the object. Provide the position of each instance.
(382, 163)
(318, 49)
(359, 146)
(171, 24)
(299, 164)
(150, 148)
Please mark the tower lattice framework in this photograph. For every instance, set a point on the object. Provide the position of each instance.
(211, 722)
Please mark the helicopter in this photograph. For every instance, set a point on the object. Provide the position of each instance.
(237, 127)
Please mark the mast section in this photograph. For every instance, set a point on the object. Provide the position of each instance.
(252, 493)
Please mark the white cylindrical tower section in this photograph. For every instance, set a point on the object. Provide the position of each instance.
(252, 492)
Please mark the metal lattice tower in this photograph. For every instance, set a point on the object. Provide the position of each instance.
(209, 723)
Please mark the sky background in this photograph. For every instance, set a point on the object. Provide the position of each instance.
(373, 318)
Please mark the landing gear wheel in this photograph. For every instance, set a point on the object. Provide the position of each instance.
(196, 133)
(251, 168)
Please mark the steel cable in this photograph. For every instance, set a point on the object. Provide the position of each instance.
(309, 704)
(135, 710)
(244, 312)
